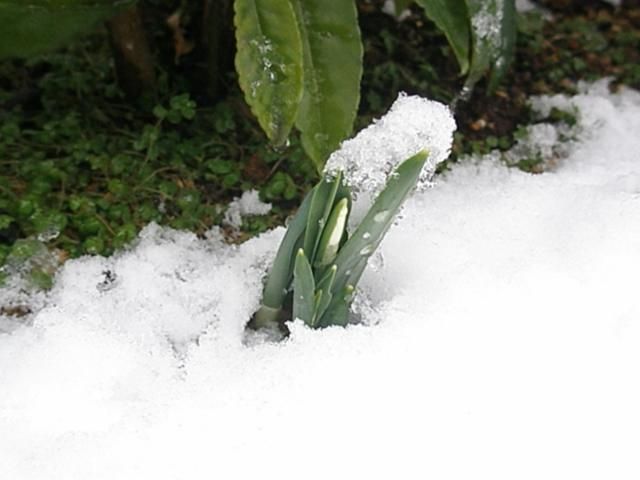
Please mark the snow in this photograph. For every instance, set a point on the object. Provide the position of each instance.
(500, 339)
(524, 6)
(247, 204)
(411, 125)
(487, 23)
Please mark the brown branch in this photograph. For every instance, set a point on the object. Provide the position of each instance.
(133, 60)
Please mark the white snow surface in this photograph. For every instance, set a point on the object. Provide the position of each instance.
(247, 204)
(501, 340)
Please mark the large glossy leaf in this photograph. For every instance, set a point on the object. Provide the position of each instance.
(31, 27)
(452, 17)
(269, 63)
(332, 71)
(493, 33)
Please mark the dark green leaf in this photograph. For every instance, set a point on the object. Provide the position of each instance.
(493, 31)
(332, 70)
(31, 27)
(269, 63)
(452, 17)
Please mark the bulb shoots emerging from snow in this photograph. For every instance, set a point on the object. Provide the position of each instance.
(330, 241)
(412, 124)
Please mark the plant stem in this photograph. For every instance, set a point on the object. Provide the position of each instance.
(134, 64)
(218, 39)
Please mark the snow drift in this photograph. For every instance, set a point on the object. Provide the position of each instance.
(500, 339)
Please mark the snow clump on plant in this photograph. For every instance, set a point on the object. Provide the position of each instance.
(412, 124)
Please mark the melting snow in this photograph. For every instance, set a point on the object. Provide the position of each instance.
(501, 339)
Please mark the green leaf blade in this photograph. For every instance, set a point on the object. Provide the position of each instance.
(493, 35)
(32, 27)
(452, 17)
(279, 277)
(366, 238)
(332, 234)
(304, 299)
(323, 300)
(269, 63)
(333, 54)
(508, 44)
(337, 313)
(324, 197)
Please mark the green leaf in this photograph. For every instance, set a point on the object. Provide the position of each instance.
(41, 279)
(324, 291)
(508, 45)
(366, 238)
(452, 17)
(5, 221)
(279, 277)
(323, 200)
(493, 31)
(24, 249)
(326, 282)
(32, 27)
(338, 311)
(269, 63)
(304, 300)
(332, 71)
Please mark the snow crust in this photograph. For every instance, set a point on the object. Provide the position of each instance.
(501, 339)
